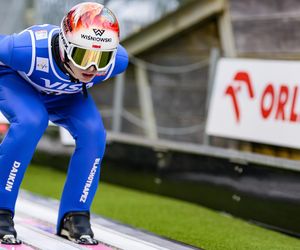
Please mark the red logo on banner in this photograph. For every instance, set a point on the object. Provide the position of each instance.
(282, 104)
(240, 79)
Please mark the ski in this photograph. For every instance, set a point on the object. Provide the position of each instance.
(22, 246)
(48, 229)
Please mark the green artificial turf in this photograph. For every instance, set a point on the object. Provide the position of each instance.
(182, 221)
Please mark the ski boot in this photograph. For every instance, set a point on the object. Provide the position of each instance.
(8, 234)
(76, 227)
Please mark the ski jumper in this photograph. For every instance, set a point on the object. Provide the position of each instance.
(34, 88)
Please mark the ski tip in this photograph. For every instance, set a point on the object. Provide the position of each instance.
(98, 247)
(15, 247)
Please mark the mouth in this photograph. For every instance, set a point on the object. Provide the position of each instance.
(87, 75)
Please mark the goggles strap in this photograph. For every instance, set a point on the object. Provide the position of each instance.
(66, 58)
(66, 65)
(55, 51)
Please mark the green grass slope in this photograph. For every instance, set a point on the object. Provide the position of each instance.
(167, 217)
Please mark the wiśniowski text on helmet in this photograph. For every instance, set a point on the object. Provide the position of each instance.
(98, 39)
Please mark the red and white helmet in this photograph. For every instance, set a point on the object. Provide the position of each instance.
(89, 36)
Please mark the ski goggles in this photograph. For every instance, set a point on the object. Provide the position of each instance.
(84, 58)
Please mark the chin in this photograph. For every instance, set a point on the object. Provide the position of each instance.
(86, 79)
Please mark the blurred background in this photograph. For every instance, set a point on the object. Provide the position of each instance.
(156, 112)
(177, 66)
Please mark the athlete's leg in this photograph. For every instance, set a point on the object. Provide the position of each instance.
(81, 117)
(28, 118)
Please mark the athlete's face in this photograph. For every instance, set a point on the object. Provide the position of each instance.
(86, 75)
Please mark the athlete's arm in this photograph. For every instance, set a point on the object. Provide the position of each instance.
(121, 61)
(16, 51)
(2, 36)
(120, 65)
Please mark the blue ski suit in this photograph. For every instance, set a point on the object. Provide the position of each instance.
(35, 88)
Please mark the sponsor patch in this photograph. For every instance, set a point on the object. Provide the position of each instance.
(12, 175)
(88, 184)
(41, 34)
(42, 64)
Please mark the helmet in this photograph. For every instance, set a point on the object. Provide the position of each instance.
(89, 35)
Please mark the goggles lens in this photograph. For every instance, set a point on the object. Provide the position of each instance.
(84, 57)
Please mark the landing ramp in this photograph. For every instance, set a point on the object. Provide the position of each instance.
(35, 221)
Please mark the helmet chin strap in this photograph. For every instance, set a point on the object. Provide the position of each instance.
(63, 63)
(66, 64)
(73, 79)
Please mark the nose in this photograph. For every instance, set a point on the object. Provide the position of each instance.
(92, 68)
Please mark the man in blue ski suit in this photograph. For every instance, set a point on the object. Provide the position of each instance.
(45, 72)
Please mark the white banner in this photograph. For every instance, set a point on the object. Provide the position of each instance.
(256, 100)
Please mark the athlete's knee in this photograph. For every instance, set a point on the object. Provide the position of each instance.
(34, 122)
(93, 134)
(97, 135)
